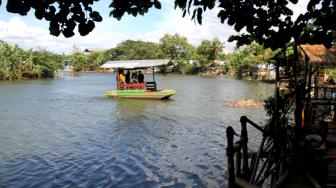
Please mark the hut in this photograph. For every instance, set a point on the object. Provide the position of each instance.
(321, 58)
(318, 54)
(291, 153)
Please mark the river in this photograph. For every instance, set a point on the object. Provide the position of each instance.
(63, 133)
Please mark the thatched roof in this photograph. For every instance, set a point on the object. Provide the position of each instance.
(318, 54)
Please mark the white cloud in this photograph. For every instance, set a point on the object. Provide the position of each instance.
(210, 28)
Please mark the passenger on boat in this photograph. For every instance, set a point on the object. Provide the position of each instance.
(128, 77)
(121, 76)
(121, 80)
(134, 77)
(141, 77)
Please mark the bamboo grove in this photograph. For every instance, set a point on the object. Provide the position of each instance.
(17, 63)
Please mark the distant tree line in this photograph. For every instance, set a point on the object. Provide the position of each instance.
(187, 58)
(16, 63)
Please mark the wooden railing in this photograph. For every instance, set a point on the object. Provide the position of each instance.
(240, 172)
(323, 93)
(130, 86)
(321, 104)
(151, 86)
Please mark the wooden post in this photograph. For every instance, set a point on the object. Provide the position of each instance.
(299, 92)
(244, 139)
(254, 168)
(298, 112)
(238, 162)
(230, 155)
(154, 79)
(153, 75)
(277, 96)
(118, 79)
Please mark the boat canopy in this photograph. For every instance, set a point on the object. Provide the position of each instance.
(135, 64)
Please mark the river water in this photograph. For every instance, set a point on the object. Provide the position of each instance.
(64, 133)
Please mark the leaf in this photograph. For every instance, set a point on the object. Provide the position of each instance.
(221, 15)
(181, 3)
(157, 4)
(54, 29)
(293, 1)
(189, 4)
(49, 16)
(311, 6)
(211, 4)
(96, 16)
(52, 9)
(193, 15)
(199, 15)
(134, 12)
(68, 33)
(232, 38)
(39, 13)
(13, 6)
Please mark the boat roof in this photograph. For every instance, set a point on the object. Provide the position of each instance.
(135, 64)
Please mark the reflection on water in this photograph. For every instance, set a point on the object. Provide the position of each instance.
(131, 108)
(64, 133)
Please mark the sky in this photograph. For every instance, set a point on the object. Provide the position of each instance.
(31, 33)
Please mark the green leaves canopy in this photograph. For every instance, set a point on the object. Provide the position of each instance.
(130, 50)
(176, 46)
(250, 56)
(268, 22)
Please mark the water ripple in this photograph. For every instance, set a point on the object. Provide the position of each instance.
(63, 133)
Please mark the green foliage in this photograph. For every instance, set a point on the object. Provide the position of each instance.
(79, 61)
(131, 50)
(249, 57)
(284, 107)
(332, 73)
(16, 63)
(96, 59)
(46, 62)
(127, 50)
(183, 67)
(209, 51)
(176, 47)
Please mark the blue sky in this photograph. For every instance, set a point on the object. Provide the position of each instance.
(29, 32)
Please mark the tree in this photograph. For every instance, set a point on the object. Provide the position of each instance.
(130, 50)
(248, 57)
(175, 46)
(96, 59)
(79, 60)
(209, 51)
(260, 20)
(16, 63)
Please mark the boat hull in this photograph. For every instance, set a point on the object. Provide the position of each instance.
(140, 94)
